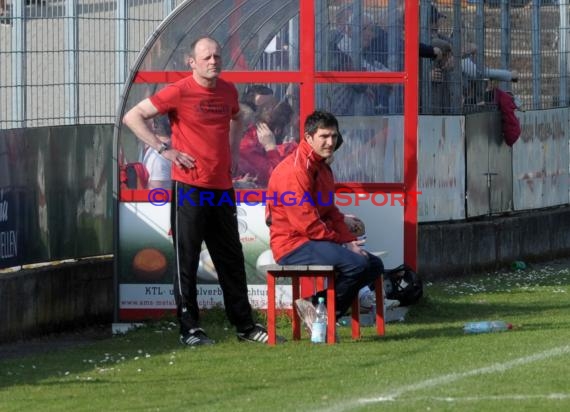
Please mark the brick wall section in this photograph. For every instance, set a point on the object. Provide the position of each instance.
(489, 244)
(56, 298)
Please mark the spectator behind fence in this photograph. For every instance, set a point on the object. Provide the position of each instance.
(4, 19)
(392, 20)
(440, 74)
(376, 56)
(473, 76)
(346, 99)
(206, 129)
(314, 232)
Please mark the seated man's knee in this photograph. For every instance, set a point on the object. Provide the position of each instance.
(375, 264)
(362, 263)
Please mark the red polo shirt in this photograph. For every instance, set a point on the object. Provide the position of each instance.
(200, 121)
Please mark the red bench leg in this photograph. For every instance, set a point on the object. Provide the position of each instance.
(296, 321)
(355, 319)
(331, 310)
(271, 309)
(379, 289)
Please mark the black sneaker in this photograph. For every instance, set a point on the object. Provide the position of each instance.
(257, 333)
(196, 337)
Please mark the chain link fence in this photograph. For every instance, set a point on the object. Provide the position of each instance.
(517, 45)
(66, 61)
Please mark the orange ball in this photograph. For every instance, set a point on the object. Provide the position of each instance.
(149, 264)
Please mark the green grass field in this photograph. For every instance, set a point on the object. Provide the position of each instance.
(426, 363)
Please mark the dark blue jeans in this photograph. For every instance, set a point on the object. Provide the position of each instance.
(354, 271)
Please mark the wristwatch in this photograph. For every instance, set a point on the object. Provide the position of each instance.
(162, 148)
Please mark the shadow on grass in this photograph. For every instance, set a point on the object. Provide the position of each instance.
(52, 359)
(431, 310)
(435, 316)
(60, 356)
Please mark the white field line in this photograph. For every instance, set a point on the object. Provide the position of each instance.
(453, 377)
(550, 396)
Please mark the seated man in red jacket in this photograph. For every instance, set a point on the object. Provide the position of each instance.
(306, 227)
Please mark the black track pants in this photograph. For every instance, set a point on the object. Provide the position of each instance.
(208, 215)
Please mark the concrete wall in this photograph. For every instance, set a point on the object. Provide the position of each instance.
(56, 298)
(493, 243)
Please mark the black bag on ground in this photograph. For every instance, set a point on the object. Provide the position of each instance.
(403, 284)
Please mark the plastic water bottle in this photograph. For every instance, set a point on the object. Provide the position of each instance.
(487, 326)
(319, 328)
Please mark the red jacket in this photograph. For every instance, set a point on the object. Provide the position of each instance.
(511, 127)
(300, 203)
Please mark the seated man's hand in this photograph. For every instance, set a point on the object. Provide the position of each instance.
(355, 247)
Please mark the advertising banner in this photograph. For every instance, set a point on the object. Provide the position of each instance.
(146, 260)
(146, 254)
(11, 226)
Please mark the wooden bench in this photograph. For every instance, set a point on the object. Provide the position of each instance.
(319, 273)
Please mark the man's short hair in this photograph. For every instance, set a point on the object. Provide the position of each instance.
(255, 90)
(192, 48)
(322, 120)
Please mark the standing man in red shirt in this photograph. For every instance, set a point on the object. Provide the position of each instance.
(206, 128)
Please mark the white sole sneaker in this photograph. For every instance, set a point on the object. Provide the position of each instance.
(391, 303)
(367, 301)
